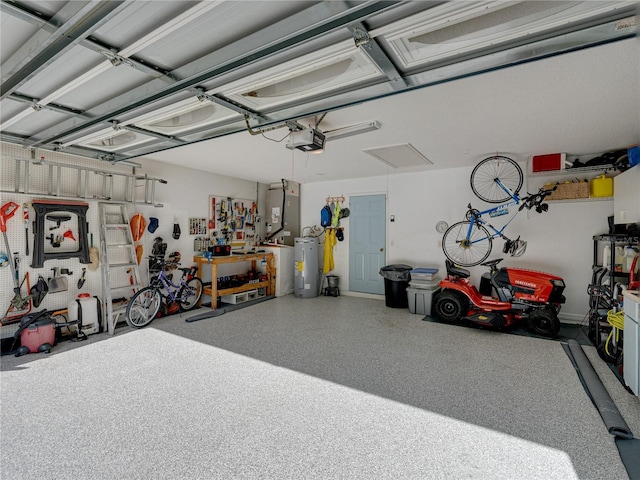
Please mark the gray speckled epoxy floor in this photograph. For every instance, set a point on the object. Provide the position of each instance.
(305, 388)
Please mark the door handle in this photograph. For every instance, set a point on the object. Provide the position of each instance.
(382, 249)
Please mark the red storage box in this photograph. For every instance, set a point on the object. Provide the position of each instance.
(38, 333)
(550, 162)
(220, 250)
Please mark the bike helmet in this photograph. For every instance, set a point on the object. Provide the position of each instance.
(174, 257)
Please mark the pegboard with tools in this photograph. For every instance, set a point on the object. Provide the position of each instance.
(63, 278)
(232, 221)
(61, 230)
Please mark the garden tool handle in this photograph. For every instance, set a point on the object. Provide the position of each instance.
(8, 210)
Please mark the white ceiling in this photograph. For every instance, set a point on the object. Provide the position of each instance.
(179, 81)
(582, 103)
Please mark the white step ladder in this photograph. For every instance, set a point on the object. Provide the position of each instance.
(120, 272)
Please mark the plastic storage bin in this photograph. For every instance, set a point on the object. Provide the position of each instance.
(396, 281)
(424, 274)
(419, 300)
(235, 298)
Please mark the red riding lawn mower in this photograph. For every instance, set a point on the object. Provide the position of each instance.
(506, 296)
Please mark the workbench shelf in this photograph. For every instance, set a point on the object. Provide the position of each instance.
(212, 290)
(239, 289)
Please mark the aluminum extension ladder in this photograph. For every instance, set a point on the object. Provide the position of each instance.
(119, 266)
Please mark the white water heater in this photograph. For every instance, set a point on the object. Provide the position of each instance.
(306, 267)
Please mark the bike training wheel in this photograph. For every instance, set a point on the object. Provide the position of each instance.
(190, 294)
(465, 252)
(488, 170)
(143, 307)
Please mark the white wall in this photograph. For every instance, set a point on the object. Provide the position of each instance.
(187, 195)
(559, 241)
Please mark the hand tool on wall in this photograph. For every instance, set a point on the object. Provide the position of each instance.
(58, 219)
(19, 305)
(8, 210)
(57, 283)
(82, 280)
(25, 218)
(55, 241)
(16, 263)
(39, 291)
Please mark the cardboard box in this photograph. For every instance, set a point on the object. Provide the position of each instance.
(550, 162)
(568, 191)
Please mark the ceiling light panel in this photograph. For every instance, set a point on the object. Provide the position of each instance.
(319, 73)
(457, 28)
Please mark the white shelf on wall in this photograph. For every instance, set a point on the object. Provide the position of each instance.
(536, 180)
(574, 200)
(571, 171)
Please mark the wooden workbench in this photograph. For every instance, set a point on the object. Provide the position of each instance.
(214, 293)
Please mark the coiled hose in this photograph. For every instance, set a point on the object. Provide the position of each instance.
(616, 320)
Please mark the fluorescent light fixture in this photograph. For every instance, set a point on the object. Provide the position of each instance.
(313, 141)
(352, 130)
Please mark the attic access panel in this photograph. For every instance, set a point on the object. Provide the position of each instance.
(403, 155)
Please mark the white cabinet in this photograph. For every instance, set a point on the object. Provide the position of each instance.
(626, 196)
(284, 260)
(631, 359)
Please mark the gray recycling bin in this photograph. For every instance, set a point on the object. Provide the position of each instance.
(396, 282)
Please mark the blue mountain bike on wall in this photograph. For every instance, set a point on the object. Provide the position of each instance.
(496, 179)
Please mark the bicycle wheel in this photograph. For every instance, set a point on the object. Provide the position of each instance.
(484, 175)
(143, 307)
(464, 251)
(190, 294)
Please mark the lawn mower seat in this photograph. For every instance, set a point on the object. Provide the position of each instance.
(456, 271)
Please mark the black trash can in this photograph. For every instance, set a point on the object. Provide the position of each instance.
(396, 282)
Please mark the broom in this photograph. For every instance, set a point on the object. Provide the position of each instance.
(94, 257)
